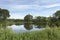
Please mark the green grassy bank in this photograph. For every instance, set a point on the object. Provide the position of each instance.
(46, 34)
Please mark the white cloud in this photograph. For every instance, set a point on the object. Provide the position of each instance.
(16, 16)
(19, 15)
(44, 2)
(33, 6)
(25, 6)
(28, 2)
(51, 6)
(20, 6)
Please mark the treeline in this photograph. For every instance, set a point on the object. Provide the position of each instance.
(40, 21)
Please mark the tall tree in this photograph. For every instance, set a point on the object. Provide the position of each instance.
(4, 14)
(57, 16)
(28, 18)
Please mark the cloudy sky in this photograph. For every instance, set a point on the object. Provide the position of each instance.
(19, 8)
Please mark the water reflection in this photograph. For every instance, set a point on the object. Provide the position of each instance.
(27, 27)
(21, 28)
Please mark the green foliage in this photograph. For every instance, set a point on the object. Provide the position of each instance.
(40, 21)
(28, 22)
(4, 13)
(46, 34)
(28, 18)
(57, 17)
(57, 14)
(28, 26)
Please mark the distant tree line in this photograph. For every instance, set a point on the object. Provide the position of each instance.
(40, 21)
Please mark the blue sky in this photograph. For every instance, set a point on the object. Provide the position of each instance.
(19, 8)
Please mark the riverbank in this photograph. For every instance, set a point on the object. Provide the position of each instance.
(47, 34)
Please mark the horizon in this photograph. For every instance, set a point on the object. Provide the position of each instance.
(19, 8)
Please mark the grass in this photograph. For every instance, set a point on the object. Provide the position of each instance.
(47, 34)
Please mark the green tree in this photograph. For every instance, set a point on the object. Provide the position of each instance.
(28, 18)
(52, 21)
(40, 21)
(4, 14)
(57, 16)
(28, 21)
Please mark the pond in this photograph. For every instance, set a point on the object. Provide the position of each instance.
(26, 27)
(22, 28)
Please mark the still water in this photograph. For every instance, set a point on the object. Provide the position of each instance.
(22, 28)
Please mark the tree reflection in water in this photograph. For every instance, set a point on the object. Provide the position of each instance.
(28, 26)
